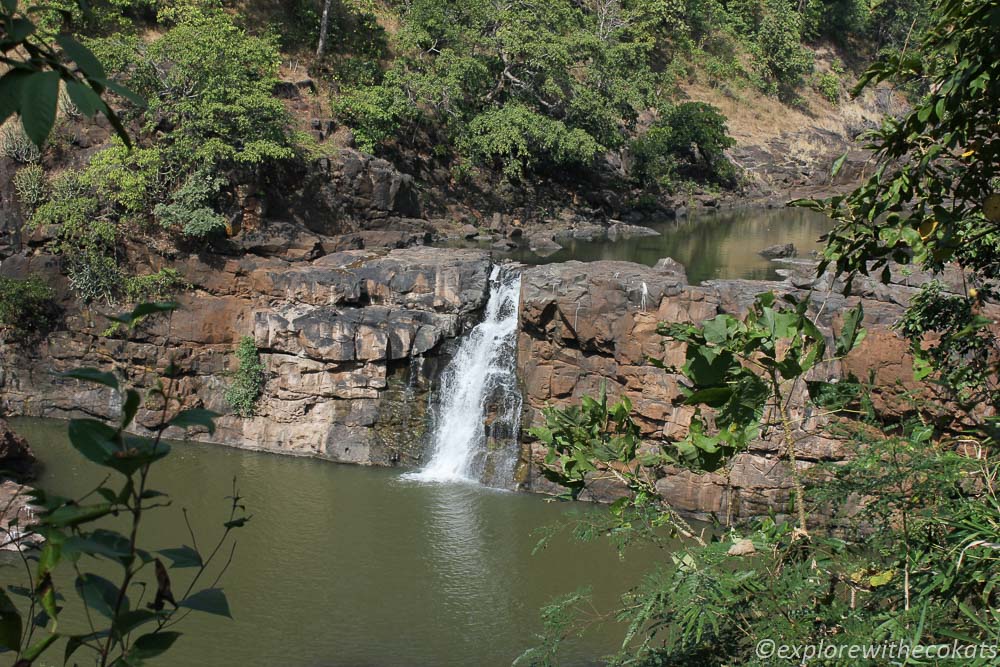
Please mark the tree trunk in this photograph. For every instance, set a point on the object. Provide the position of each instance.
(323, 28)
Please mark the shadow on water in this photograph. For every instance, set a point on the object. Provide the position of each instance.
(710, 246)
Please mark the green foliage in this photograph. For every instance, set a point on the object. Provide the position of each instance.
(781, 59)
(933, 199)
(159, 285)
(516, 140)
(105, 525)
(127, 179)
(191, 206)
(690, 141)
(578, 437)
(87, 241)
(375, 113)
(30, 88)
(31, 186)
(828, 84)
(27, 308)
(521, 87)
(248, 380)
(211, 82)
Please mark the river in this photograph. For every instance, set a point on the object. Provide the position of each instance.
(709, 245)
(348, 566)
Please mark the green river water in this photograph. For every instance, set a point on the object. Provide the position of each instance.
(351, 566)
(713, 245)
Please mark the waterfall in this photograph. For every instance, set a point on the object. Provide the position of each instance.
(478, 410)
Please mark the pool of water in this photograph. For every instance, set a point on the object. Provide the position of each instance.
(344, 565)
(718, 245)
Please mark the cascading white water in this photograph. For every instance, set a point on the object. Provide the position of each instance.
(480, 385)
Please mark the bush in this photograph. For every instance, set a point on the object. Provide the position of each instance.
(689, 140)
(515, 139)
(828, 85)
(190, 208)
(130, 180)
(211, 82)
(31, 186)
(248, 380)
(374, 113)
(27, 308)
(94, 274)
(153, 286)
(780, 56)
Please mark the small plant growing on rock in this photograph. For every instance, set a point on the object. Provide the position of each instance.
(248, 381)
(15, 144)
(32, 187)
(27, 308)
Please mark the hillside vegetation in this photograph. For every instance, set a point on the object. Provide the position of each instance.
(490, 95)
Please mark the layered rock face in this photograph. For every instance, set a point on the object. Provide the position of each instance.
(588, 325)
(343, 338)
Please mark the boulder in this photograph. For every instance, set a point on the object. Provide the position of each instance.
(778, 251)
(16, 458)
(620, 230)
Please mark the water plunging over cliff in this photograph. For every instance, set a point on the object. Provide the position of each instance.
(478, 411)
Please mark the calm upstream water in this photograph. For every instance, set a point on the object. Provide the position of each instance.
(351, 566)
(717, 245)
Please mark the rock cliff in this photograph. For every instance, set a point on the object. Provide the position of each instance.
(594, 324)
(343, 337)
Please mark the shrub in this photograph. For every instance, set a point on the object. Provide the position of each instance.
(828, 85)
(86, 239)
(130, 180)
(778, 51)
(515, 139)
(374, 113)
(32, 186)
(248, 380)
(212, 82)
(190, 208)
(690, 139)
(16, 145)
(27, 307)
(153, 286)
(94, 274)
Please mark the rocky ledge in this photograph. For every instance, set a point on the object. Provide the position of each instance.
(351, 342)
(594, 324)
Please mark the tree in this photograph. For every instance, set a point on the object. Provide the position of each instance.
(324, 25)
(933, 199)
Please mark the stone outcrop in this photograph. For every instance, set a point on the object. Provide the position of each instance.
(341, 336)
(346, 192)
(584, 326)
(16, 458)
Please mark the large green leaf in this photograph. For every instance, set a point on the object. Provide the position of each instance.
(97, 441)
(151, 645)
(851, 334)
(101, 542)
(182, 556)
(99, 594)
(40, 94)
(82, 56)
